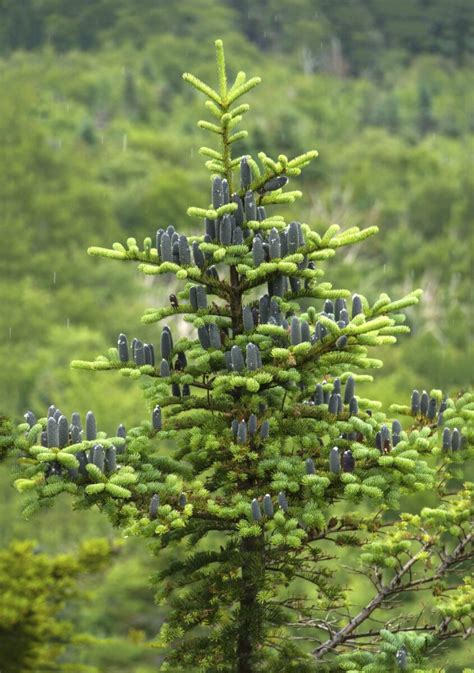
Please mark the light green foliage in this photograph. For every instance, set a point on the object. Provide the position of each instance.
(257, 416)
(36, 590)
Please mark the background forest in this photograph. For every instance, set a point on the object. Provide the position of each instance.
(98, 142)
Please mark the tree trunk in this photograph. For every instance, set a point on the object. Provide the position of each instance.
(250, 617)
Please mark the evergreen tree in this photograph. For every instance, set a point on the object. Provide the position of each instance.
(263, 470)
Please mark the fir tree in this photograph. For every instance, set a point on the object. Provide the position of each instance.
(281, 481)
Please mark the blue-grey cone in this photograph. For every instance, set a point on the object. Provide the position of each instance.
(339, 305)
(226, 230)
(284, 243)
(91, 427)
(237, 359)
(327, 395)
(293, 237)
(82, 458)
(147, 354)
(30, 418)
(44, 438)
(63, 432)
(242, 432)
(431, 413)
(334, 460)
(198, 256)
(225, 191)
(261, 214)
(250, 207)
(333, 404)
(247, 319)
(378, 440)
(275, 183)
(239, 213)
(274, 243)
(396, 427)
(154, 504)
(121, 431)
(415, 402)
(337, 388)
(167, 329)
(252, 425)
(349, 390)
(76, 419)
(182, 361)
(159, 234)
(51, 410)
(268, 505)
(401, 657)
(184, 251)
(111, 459)
(318, 394)
(57, 414)
(210, 228)
(279, 286)
(256, 511)
(328, 306)
(341, 342)
(353, 407)
(295, 284)
(283, 502)
(212, 272)
(76, 434)
(217, 193)
(214, 336)
(156, 418)
(193, 298)
(175, 390)
(203, 336)
(295, 331)
(265, 429)
(186, 390)
(237, 236)
(170, 230)
(305, 331)
(245, 174)
(264, 308)
(446, 439)
(201, 297)
(455, 440)
(175, 251)
(52, 432)
(251, 357)
(309, 464)
(348, 462)
(258, 254)
(139, 354)
(384, 434)
(182, 500)
(340, 406)
(166, 252)
(228, 360)
(122, 345)
(98, 457)
(443, 406)
(174, 237)
(344, 317)
(440, 420)
(164, 368)
(395, 439)
(424, 402)
(234, 426)
(356, 305)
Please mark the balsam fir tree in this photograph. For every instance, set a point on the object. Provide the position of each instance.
(261, 467)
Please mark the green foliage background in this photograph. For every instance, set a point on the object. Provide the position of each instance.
(98, 141)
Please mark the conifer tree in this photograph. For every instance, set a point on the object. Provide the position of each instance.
(269, 477)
